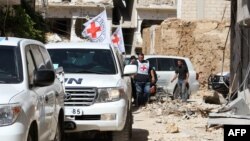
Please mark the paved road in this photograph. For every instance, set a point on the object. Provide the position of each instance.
(138, 135)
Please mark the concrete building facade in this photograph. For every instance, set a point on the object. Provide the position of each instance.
(65, 17)
(204, 9)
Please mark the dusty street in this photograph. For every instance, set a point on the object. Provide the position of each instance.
(171, 121)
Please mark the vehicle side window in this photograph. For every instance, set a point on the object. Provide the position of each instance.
(166, 64)
(39, 58)
(184, 62)
(153, 63)
(31, 66)
(46, 58)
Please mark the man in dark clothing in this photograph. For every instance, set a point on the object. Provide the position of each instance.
(142, 80)
(132, 61)
(182, 73)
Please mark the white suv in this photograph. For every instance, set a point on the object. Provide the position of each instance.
(98, 88)
(165, 69)
(31, 98)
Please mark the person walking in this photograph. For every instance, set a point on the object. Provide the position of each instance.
(181, 72)
(142, 80)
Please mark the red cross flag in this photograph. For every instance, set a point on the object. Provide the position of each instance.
(117, 39)
(97, 29)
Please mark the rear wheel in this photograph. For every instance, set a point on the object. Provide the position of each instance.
(126, 133)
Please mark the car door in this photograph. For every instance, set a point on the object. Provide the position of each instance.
(165, 69)
(45, 94)
(39, 96)
(55, 92)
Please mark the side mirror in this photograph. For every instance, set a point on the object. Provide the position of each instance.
(130, 69)
(44, 77)
(59, 70)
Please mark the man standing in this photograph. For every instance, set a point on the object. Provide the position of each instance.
(142, 80)
(132, 61)
(182, 73)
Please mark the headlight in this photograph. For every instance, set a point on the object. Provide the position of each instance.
(109, 94)
(9, 113)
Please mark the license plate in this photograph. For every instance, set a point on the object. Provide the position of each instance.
(73, 112)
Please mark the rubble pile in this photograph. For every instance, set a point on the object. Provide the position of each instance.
(176, 121)
(202, 41)
(178, 108)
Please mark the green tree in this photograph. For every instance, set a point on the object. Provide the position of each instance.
(22, 21)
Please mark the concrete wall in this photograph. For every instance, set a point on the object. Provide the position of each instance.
(203, 41)
(203, 9)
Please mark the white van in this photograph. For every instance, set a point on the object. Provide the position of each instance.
(165, 69)
(31, 98)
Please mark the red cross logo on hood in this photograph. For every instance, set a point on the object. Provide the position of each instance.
(93, 30)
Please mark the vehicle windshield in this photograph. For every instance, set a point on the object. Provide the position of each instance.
(96, 61)
(10, 66)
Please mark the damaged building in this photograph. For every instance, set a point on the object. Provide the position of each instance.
(65, 17)
(237, 111)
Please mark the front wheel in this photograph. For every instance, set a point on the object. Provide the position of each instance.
(32, 135)
(126, 133)
(58, 136)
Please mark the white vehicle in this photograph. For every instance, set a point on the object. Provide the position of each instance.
(31, 99)
(165, 69)
(98, 88)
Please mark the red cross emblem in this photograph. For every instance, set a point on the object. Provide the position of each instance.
(93, 30)
(143, 68)
(116, 39)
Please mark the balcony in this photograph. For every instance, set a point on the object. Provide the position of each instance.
(10, 2)
(157, 4)
(75, 3)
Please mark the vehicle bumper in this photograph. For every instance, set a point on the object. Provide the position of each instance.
(98, 117)
(14, 132)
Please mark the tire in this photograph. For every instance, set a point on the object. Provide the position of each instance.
(32, 135)
(30, 138)
(58, 136)
(59, 131)
(126, 133)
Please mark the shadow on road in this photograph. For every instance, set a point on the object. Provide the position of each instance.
(137, 135)
(140, 135)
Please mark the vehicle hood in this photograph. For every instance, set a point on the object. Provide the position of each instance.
(8, 91)
(92, 80)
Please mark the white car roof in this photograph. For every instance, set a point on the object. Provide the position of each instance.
(77, 45)
(164, 56)
(14, 41)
